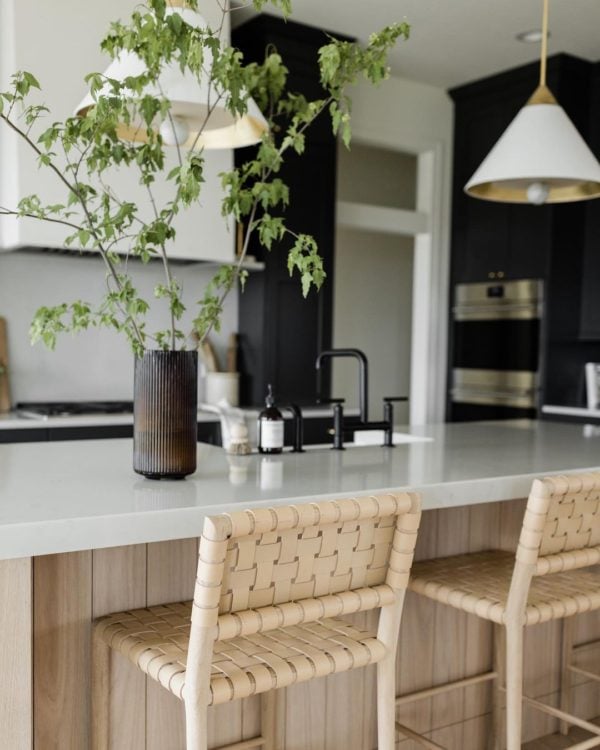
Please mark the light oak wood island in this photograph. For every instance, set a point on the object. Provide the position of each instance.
(81, 535)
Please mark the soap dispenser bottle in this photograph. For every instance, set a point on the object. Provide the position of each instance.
(270, 426)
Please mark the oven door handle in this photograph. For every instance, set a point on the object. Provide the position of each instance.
(533, 307)
(506, 395)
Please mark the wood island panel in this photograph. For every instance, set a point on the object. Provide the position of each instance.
(62, 616)
(119, 582)
(437, 644)
(16, 627)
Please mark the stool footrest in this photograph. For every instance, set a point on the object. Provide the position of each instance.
(564, 716)
(244, 744)
(586, 744)
(429, 744)
(438, 689)
(584, 672)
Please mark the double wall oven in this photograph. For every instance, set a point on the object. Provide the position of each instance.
(496, 334)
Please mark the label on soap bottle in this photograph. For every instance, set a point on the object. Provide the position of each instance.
(271, 433)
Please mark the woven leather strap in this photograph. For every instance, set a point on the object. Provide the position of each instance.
(275, 567)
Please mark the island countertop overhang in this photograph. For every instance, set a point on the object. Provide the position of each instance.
(69, 496)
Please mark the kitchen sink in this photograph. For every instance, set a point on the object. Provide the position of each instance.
(374, 438)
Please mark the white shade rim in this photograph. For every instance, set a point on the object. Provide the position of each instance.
(540, 145)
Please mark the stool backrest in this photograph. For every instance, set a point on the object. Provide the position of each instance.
(561, 528)
(267, 568)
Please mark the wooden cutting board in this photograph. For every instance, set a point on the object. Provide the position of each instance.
(4, 386)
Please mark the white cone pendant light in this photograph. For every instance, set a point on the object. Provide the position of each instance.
(189, 103)
(540, 158)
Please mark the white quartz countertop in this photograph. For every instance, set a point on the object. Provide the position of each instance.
(66, 496)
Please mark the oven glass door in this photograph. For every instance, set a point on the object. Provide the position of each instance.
(497, 344)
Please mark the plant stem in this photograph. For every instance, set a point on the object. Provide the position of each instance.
(167, 268)
(238, 266)
(18, 214)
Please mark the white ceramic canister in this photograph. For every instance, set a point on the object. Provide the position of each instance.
(222, 385)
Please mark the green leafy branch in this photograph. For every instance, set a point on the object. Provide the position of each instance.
(122, 129)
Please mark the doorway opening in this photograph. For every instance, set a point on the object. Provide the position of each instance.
(377, 222)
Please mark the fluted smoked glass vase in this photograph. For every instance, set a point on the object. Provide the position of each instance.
(165, 419)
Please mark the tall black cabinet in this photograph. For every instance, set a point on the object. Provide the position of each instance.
(559, 243)
(281, 332)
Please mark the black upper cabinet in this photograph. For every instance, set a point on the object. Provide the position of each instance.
(499, 240)
(281, 333)
(558, 243)
(590, 302)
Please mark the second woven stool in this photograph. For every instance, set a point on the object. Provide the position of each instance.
(546, 581)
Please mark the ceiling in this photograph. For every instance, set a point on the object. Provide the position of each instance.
(456, 41)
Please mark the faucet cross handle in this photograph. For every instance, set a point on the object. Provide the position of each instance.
(388, 418)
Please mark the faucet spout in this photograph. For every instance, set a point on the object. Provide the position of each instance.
(363, 376)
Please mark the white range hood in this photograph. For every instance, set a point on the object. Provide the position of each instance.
(59, 43)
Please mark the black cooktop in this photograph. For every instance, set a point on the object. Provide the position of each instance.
(74, 408)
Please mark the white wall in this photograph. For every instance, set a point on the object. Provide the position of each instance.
(97, 364)
(418, 118)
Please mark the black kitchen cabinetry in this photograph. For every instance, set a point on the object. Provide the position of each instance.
(316, 431)
(281, 333)
(590, 302)
(557, 243)
(208, 432)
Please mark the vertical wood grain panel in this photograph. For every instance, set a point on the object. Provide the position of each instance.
(414, 670)
(450, 644)
(171, 575)
(16, 654)
(484, 521)
(62, 616)
(305, 708)
(119, 583)
(171, 572)
(251, 713)
(343, 728)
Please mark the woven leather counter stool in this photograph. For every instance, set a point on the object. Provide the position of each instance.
(546, 581)
(270, 587)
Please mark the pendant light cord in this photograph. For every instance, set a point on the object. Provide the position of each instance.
(544, 44)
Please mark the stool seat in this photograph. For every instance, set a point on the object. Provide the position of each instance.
(156, 640)
(479, 583)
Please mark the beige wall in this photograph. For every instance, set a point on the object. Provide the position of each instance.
(416, 118)
(373, 305)
(373, 278)
(376, 176)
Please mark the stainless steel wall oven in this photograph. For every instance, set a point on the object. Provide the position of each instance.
(496, 350)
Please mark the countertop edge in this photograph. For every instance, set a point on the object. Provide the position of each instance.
(100, 532)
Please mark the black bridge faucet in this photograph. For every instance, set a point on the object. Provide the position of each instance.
(349, 425)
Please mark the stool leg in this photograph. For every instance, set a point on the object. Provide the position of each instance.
(386, 704)
(196, 721)
(100, 694)
(497, 738)
(566, 675)
(514, 684)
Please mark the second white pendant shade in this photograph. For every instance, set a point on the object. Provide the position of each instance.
(540, 158)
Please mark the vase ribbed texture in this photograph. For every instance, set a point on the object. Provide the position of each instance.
(165, 418)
